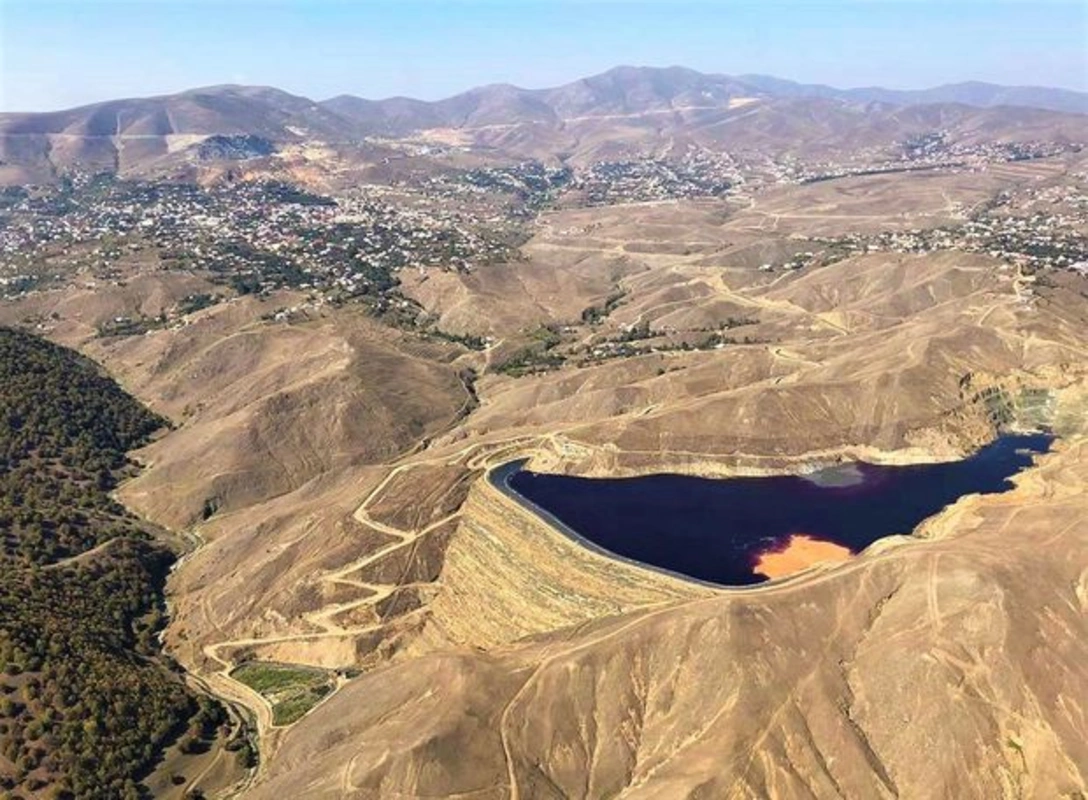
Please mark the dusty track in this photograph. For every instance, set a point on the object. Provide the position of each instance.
(220, 681)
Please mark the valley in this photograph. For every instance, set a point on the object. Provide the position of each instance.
(348, 331)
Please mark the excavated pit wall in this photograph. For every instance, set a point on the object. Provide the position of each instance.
(508, 574)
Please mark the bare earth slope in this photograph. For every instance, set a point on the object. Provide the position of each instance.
(333, 470)
(623, 113)
(775, 692)
(943, 666)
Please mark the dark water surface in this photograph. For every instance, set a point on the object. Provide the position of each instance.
(715, 529)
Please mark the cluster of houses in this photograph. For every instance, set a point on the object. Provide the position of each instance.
(531, 186)
(259, 236)
(253, 236)
(517, 191)
(931, 151)
(1036, 240)
(698, 173)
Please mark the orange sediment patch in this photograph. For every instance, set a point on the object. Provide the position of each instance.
(800, 552)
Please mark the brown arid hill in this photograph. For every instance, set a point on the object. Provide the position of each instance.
(804, 128)
(333, 469)
(261, 407)
(199, 133)
(628, 112)
(665, 93)
(779, 692)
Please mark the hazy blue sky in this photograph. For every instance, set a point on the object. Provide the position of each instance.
(58, 54)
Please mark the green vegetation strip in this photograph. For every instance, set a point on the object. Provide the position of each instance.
(292, 690)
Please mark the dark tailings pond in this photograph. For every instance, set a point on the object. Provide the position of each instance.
(716, 530)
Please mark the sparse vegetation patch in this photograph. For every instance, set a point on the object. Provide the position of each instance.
(292, 690)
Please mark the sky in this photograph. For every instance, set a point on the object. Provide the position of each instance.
(61, 53)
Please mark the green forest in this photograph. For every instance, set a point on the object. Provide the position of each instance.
(87, 700)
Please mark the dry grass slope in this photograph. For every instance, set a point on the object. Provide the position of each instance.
(339, 465)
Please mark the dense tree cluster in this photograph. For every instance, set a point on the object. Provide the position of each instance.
(83, 705)
(64, 431)
(87, 700)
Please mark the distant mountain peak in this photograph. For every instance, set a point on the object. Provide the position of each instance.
(611, 115)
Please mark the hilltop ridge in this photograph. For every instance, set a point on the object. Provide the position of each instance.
(648, 109)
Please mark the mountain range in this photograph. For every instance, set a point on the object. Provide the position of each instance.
(628, 90)
(650, 105)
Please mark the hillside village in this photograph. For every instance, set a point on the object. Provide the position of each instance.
(1036, 230)
(254, 237)
(930, 151)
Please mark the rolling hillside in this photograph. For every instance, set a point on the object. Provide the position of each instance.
(647, 109)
